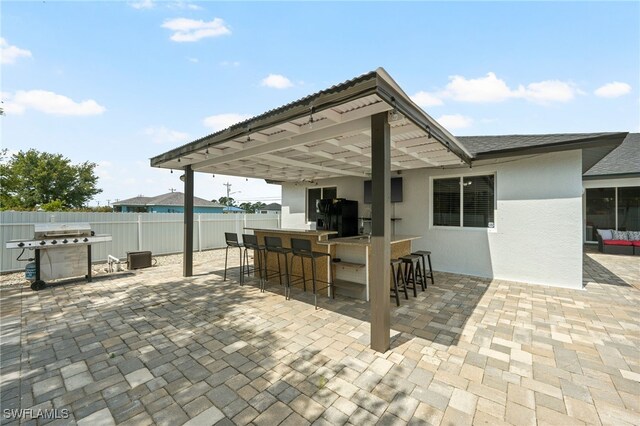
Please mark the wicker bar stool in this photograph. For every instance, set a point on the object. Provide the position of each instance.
(412, 272)
(425, 275)
(396, 275)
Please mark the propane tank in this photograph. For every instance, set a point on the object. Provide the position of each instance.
(30, 271)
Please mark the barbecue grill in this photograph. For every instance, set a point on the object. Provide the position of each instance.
(59, 250)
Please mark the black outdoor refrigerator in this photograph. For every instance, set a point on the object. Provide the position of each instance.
(337, 214)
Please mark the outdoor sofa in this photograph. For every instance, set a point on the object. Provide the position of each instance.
(618, 242)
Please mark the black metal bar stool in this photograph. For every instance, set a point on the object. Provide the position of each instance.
(422, 254)
(412, 271)
(231, 239)
(274, 245)
(396, 275)
(302, 248)
(251, 243)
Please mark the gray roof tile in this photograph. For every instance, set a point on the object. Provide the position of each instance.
(168, 199)
(492, 144)
(625, 159)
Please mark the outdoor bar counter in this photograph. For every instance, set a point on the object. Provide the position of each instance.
(351, 272)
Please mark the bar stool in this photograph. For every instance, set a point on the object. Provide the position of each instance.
(396, 275)
(422, 254)
(274, 245)
(302, 248)
(231, 239)
(251, 243)
(412, 271)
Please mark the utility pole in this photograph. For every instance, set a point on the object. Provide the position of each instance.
(228, 185)
(172, 189)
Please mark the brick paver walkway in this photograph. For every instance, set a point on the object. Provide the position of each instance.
(153, 347)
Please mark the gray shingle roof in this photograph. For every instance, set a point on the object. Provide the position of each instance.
(480, 146)
(168, 199)
(273, 207)
(623, 160)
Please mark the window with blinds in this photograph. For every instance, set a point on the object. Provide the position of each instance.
(464, 201)
(477, 196)
(446, 202)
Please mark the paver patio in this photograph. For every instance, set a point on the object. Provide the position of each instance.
(153, 347)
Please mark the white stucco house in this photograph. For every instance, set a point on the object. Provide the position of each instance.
(515, 215)
(508, 207)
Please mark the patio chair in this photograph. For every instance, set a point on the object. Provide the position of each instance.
(251, 243)
(302, 248)
(274, 245)
(231, 239)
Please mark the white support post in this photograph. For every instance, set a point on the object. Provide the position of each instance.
(199, 232)
(139, 232)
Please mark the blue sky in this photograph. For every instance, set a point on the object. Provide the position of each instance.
(116, 83)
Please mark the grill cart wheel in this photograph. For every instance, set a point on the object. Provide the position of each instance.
(38, 285)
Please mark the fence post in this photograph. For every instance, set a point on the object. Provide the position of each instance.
(139, 232)
(237, 223)
(279, 224)
(199, 232)
(244, 221)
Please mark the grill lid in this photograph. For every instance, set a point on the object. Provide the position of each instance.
(44, 230)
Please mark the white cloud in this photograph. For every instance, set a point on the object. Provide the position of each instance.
(484, 89)
(143, 4)
(426, 99)
(455, 121)
(613, 90)
(162, 135)
(186, 30)
(222, 121)
(547, 91)
(49, 103)
(9, 54)
(276, 81)
(183, 5)
(492, 89)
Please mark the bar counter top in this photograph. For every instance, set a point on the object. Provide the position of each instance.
(364, 240)
(311, 232)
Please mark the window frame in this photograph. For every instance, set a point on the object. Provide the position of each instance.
(460, 178)
(306, 198)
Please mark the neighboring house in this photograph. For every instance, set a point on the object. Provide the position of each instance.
(171, 202)
(612, 190)
(273, 208)
(232, 209)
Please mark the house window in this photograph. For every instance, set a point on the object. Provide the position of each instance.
(612, 208)
(315, 194)
(466, 201)
(629, 208)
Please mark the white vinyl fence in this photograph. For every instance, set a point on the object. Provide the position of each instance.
(161, 233)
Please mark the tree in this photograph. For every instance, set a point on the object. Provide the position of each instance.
(33, 178)
(227, 201)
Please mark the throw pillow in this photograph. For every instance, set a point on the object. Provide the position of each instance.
(634, 235)
(605, 234)
(619, 235)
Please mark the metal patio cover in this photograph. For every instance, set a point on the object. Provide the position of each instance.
(324, 135)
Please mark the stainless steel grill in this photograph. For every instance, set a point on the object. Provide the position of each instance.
(59, 250)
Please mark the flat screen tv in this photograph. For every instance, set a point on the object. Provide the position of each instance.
(396, 190)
